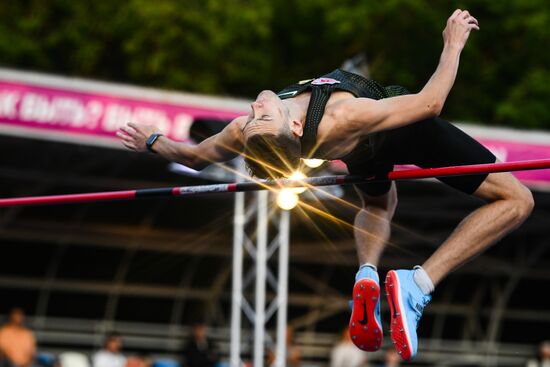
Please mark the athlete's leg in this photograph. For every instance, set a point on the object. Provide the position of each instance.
(509, 204)
(439, 144)
(372, 231)
(373, 225)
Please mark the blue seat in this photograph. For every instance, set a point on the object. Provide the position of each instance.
(45, 359)
(166, 363)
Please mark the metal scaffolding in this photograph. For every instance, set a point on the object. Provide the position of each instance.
(259, 252)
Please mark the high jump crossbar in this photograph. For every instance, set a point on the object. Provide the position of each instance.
(258, 185)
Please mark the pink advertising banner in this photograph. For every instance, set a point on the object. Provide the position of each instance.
(95, 114)
(510, 151)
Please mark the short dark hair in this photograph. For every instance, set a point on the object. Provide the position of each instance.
(111, 335)
(272, 156)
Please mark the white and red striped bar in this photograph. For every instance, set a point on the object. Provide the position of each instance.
(410, 174)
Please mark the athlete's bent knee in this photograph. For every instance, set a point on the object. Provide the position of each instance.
(520, 203)
(524, 203)
(386, 202)
(505, 187)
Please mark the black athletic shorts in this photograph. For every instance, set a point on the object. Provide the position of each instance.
(427, 144)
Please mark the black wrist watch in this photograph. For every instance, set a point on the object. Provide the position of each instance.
(151, 140)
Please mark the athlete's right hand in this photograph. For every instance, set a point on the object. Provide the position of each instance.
(134, 136)
(459, 26)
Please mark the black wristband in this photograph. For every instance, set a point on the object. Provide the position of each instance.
(151, 140)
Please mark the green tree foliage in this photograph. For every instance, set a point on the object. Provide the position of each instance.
(237, 47)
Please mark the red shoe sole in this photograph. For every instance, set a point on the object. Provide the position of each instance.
(364, 330)
(398, 323)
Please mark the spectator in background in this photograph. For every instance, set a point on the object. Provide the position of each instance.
(544, 356)
(110, 355)
(293, 352)
(17, 343)
(199, 351)
(139, 361)
(346, 354)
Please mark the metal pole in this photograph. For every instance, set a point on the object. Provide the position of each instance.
(236, 298)
(282, 291)
(261, 265)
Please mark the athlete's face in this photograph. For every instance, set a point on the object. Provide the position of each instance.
(268, 114)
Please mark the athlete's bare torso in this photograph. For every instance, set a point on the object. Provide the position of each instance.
(335, 136)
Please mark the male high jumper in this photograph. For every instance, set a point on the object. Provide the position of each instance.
(371, 128)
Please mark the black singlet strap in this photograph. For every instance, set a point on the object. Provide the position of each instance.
(320, 95)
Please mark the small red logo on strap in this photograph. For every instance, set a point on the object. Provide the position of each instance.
(321, 81)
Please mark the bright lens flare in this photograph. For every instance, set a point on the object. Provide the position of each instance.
(287, 199)
(313, 163)
(297, 176)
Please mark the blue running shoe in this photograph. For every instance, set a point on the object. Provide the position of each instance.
(407, 303)
(365, 327)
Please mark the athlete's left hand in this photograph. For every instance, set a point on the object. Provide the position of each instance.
(134, 136)
(459, 26)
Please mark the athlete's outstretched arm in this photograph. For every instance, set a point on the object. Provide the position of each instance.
(221, 147)
(367, 115)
